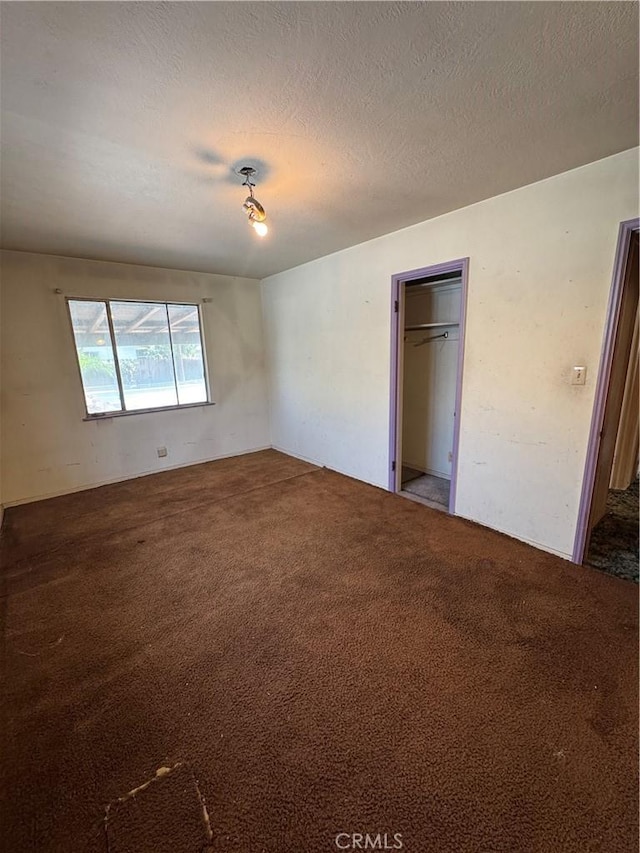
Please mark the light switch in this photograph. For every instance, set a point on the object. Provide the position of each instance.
(579, 376)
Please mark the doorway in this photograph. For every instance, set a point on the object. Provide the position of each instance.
(607, 532)
(428, 318)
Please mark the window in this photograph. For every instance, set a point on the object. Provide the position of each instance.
(136, 356)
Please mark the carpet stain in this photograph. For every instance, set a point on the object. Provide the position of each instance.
(160, 823)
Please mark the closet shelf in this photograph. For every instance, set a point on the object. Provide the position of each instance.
(428, 326)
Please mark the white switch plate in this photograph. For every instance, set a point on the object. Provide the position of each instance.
(162, 451)
(579, 376)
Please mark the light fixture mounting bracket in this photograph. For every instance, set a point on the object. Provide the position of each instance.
(247, 172)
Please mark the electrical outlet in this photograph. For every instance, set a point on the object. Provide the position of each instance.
(579, 376)
(162, 451)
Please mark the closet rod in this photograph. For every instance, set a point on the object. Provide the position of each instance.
(428, 326)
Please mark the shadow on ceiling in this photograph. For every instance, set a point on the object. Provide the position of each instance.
(221, 170)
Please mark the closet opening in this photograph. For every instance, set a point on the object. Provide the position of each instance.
(428, 313)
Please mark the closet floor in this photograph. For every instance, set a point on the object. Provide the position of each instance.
(433, 489)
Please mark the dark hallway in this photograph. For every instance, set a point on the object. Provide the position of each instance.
(614, 541)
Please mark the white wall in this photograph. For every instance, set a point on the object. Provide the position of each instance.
(541, 260)
(47, 448)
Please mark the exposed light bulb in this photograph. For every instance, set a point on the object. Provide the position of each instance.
(251, 204)
(260, 228)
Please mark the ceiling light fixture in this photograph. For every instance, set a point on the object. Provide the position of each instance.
(252, 206)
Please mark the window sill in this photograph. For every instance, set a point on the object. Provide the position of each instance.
(103, 416)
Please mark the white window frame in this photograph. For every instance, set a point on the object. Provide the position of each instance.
(123, 412)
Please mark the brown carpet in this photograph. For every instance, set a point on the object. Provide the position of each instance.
(308, 655)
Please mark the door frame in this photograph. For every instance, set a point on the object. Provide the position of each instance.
(397, 335)
(625, 232)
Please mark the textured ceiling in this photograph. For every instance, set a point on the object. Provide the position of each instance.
(122, 122)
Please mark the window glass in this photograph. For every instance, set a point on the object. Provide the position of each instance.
(184, 325)
(138, 355)
(95, 356)
(143, 346)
